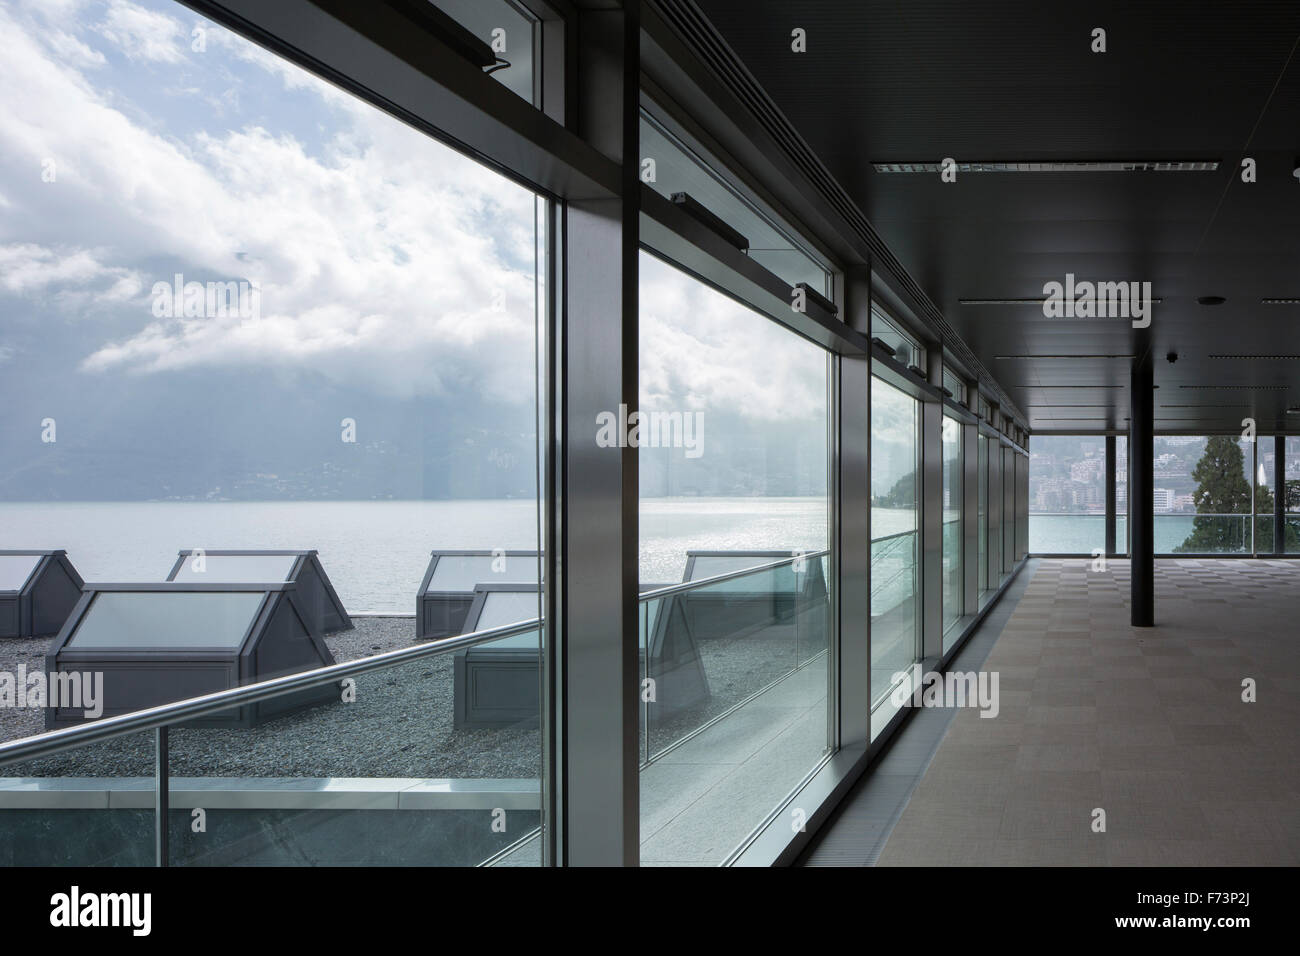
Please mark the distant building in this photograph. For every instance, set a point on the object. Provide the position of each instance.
(1164, 500)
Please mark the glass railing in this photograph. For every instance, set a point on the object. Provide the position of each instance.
(734, 695)
(1203, 534)
(1055, 533)
(953, 583)
(707, 647)
(895, 610)
(428, 755)
(1060, 533)
(431, 752)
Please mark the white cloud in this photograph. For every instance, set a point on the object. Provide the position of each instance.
(701, 350)
(382, 256)
(27, 268)
(144, 34)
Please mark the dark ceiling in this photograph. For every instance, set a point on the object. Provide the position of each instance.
(920, 80)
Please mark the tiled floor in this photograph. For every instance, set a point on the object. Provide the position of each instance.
(1147, 724)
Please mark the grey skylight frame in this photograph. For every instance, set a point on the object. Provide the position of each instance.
(140, 677)
(440, 614)
(316, 595)
(41, 605)
(490, 683)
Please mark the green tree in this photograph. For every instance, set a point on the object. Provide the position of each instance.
(1221, 489)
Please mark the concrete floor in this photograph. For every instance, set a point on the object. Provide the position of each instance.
(1147, 724)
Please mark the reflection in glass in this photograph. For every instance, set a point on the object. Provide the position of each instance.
(733, 474)
(951, 463)
(895, 581)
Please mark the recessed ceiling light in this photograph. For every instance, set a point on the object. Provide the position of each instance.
(1295, 301)
(1211, 299)
(1057, 166)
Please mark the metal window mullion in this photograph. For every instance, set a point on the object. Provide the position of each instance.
(595, 561)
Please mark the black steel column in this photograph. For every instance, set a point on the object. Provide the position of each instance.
(1110, 494)
(1279, 494)
(1141, 496)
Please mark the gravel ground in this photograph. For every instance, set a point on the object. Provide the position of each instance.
(399, 726)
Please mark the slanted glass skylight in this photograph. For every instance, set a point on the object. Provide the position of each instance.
(154, 619)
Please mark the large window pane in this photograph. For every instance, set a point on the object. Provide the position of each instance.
(1202, 494)
(953, 609)
(895, 520)
(242, 309)
(1067, 494)
(733, 474)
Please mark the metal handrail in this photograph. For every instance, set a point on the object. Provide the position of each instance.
(890, 537)
(1157, 514)
(71, 738)
(729, 575)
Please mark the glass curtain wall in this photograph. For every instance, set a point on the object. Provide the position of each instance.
(289, 321)
(734, 570)
(1008, 510)
(1067, 494)
(951, 463)
(982, 531)
(895, 547)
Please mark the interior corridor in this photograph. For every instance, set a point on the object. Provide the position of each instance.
(1148, 725)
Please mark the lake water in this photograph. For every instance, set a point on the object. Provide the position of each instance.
(376, 552)
(1080, 534)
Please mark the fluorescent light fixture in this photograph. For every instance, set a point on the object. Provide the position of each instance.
(1256, 357)
(1038, 301)
(1010, 358)
(1239, 388)
(1058, 166)
(1295, 301)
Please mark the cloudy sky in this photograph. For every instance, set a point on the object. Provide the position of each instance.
(393, 272)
